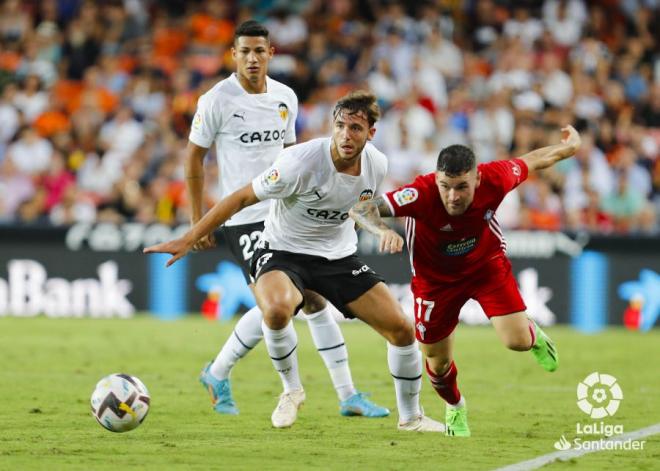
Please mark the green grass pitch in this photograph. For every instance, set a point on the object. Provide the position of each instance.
(48, 368)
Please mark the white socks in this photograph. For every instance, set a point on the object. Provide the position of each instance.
(245, 337)
(327, 337)
(406, 368)
(330, 344)
(459, 404)
(281, 345)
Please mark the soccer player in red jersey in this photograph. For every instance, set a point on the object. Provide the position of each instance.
(457, 252)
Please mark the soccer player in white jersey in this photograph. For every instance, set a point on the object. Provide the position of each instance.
(250, 117)
(309, 242)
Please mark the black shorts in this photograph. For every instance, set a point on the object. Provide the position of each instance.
(339, 281)
(242, 241)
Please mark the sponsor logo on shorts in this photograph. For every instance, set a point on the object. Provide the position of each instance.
(362, 269)
(272, 177)
(263, 260)
(366, 195)
(406, 196)
(460, 247)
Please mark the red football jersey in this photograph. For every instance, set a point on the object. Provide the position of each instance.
(446, 248)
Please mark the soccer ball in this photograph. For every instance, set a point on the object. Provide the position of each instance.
(120, 402)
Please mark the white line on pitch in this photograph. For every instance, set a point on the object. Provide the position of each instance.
(568, 454)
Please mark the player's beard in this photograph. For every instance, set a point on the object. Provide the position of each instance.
(357, 150)
(455, 210)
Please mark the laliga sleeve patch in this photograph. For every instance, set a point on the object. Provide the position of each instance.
(272, 176)
(197, 121)
(406, 196)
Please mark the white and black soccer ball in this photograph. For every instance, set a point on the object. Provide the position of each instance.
(120, 402)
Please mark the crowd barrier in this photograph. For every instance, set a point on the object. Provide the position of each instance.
(98, 270)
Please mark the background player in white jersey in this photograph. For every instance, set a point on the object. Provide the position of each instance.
(309, 242)
(250, 117)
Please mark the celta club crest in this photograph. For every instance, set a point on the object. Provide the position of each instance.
(283, 110)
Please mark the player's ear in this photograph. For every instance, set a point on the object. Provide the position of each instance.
(478, 179)
(233, 53)
(271, 52)
(372, 131)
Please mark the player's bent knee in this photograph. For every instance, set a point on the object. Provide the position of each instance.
(438, 365)
(278, 313)
(518, 343)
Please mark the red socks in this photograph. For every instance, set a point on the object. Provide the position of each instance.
(445, 384)
(532, 331)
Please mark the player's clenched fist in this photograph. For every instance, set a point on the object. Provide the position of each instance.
(390, 242)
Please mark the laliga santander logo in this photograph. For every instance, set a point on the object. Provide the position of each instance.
(599, 395)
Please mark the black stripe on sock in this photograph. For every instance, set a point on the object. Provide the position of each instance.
(285, 356)
(330, 348)
(241, 342)
(407, 379)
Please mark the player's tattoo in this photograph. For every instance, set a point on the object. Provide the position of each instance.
(383, 208)
(368, 214)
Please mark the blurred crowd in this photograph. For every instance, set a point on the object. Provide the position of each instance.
(97, 97)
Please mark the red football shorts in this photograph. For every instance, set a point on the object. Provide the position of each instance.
(437, 306)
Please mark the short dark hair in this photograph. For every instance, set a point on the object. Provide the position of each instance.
(357, 101)
(456, 160)
(250, 28)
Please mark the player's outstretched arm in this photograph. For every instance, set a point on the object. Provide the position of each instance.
(194, 171)
(221, 211)
(368, 215)
(548, 156)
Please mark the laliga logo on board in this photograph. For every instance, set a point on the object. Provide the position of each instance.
(599, 395)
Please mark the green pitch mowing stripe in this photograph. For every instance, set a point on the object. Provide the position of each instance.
(48, 368)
